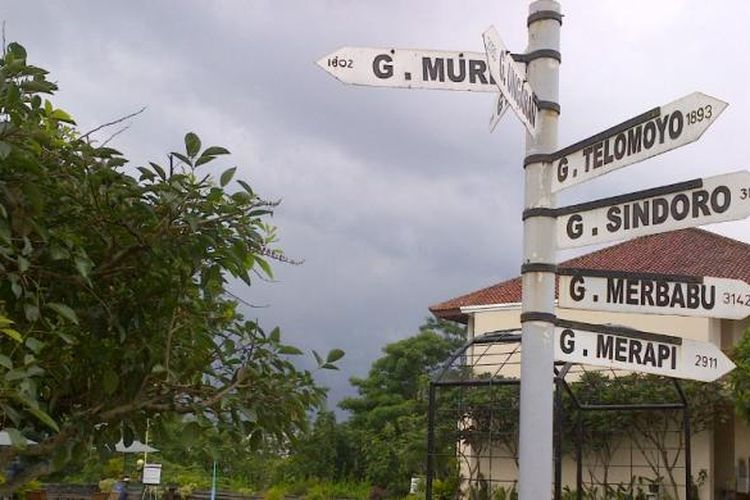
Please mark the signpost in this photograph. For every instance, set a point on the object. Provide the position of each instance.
(532, 93)
(410, 68)
(415, 69)
(623, 348)
(648, 293)
(498, 111)
(677, 206)
(649, 134)
(511, 80)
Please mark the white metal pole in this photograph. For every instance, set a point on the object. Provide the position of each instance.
(538, 303)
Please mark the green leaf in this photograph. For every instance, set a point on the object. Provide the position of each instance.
(105, 152)
(15, 285)
(157, 168)
(23, 264)
(203, 159)
(334, 355)
(64, 311)
(290, 350)
(110, 381)
(215, 151)
(146, 174)
(192, 144)
(275, 335)
(68, 339)
(265, 266)
(44, 418)
(83, 266)
(329, 366)
(31, 311)
(36, 86)
(34, 344)
(182, 158)
(247, 187)
(17, 50)
(5, 149)
(58, 253)
(227, 176)
(10, 332)
(62, 116)
(116, 162)
(318, 359)
(6, 362)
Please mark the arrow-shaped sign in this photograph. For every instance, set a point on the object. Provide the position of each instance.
(498, 111)
(511, 79)
(410, 68)
(623, 348)
(649, 134)
(649, 293)
(667, 208)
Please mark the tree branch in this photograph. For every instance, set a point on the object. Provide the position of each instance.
(113, 122)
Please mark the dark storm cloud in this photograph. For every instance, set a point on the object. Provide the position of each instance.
(396, 199)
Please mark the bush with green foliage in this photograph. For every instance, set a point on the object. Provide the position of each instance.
(113, 300)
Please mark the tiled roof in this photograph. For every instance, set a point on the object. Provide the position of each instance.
(693, 252)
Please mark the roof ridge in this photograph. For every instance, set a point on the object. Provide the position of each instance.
(719, 236)
(480, 290)
(693, 251)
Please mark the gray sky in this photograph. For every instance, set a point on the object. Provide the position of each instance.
(396, 199)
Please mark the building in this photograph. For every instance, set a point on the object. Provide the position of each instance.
(722, 453)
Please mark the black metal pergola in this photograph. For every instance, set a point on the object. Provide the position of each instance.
(472, 400)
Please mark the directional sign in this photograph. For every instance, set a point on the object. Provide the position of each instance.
(648, 293)
(410, 68)
(511, 79)
(649, 134)
(498, 111)
(623, 348)
(677, 206)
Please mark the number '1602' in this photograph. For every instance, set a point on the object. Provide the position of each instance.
(338, 62)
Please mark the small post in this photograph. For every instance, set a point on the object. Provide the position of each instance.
(430, 442)
(688, 459)
(558, 436)
(579, 457)
(213, 482)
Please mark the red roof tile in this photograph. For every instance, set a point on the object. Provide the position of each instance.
(693, 252)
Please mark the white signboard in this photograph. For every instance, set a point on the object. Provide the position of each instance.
(511, 79)
(151, 474)
(410, 68)
(498, 111)
(652, 133)
(648, 293)
(667, 208)
(622, 348)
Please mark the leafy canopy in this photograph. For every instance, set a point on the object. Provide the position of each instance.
(113, 301)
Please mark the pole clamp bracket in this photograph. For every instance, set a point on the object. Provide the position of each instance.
(538, 158)
(538, 54)
(544, 15)
(538, 267)
(548, 105)
(539, 212)
(538, 316)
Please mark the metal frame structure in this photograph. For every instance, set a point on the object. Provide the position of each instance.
(501, 352)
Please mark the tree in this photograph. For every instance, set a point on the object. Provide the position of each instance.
(113, 299)
(740, 377)
(388, 419)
